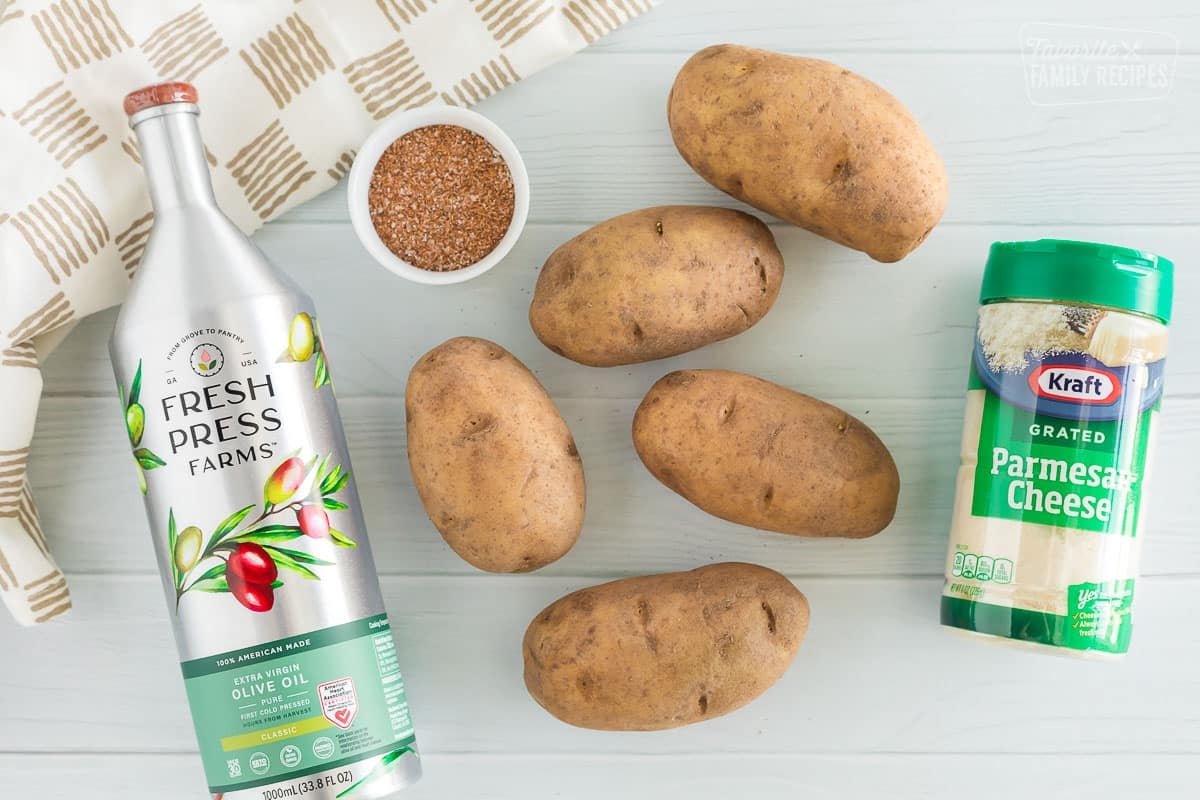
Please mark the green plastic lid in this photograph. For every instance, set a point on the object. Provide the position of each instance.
(1080, 272)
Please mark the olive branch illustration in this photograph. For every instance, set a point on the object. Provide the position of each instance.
(304, 343)
(135, 426)
(244, 558)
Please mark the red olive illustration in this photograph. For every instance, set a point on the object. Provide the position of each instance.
(252, 564)
(313, 521)
(284, 481)
(254, 596)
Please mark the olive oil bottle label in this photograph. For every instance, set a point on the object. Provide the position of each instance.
(324, 701)
(1062, 405)
(287, 654)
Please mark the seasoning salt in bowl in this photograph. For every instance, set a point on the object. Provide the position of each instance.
(424, 184)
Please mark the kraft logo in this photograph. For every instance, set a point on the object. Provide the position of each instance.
(1075, 384)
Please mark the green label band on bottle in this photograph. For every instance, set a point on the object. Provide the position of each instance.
(295, 706)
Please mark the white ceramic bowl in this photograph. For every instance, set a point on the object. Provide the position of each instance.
(392, 129)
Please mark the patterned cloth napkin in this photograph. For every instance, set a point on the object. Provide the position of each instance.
(288, 89)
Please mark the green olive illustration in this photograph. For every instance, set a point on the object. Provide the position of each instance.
(187, 548)
(301, 341)
(135, 422)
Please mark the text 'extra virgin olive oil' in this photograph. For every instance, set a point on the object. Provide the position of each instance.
(287, 655)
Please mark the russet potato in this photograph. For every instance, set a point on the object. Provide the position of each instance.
(492, 459)
(812, 143)
(656, 283)
(761, 455)
(660, 651)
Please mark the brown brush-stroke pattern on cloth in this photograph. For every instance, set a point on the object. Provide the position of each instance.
(509, 20)
(594, 18)
(182, 47)
(131, 242)
(389, 79)
(79, 32)
(403, 12)
(269, 169)
(12, 478)
(287, 59)
(342, 166)
(56, 120)
(482, 82)
(63, 228)
(53, 313)
(9, 13)
(19, 355)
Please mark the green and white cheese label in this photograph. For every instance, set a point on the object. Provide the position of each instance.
(1057, 443)
(1084, 475)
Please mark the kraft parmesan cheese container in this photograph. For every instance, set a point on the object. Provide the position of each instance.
(1063, 402)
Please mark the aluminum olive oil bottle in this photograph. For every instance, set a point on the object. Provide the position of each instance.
(287, 656)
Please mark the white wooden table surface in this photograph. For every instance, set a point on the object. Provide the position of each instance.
(881, 701)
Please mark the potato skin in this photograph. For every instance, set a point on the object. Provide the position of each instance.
(660, 651)
(655, 283)
(492, 459)
(812, 143)
(751, 452)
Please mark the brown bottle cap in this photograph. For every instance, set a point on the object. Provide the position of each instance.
(159, 94)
